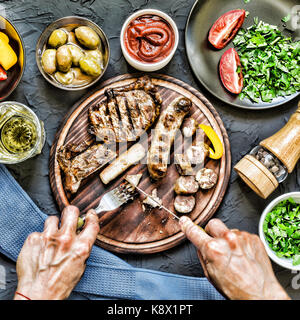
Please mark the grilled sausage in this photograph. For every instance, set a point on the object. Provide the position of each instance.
(184, 204)
(169, 122)
(186, 185)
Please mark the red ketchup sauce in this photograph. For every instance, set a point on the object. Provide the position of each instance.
(149, 39)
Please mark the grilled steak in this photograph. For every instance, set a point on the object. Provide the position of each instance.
(79, 166)
(126, 113)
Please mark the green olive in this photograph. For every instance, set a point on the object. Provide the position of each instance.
(64, 58)
(72, 38)
(90, 66)
(57, 38)
(49, 61)
(81, 78)
(76, 54)
(96, 54)
(64, 78)
(87, 37)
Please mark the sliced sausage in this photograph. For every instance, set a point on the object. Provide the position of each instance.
(184, 204)
(206, 178)
(189, 127)
(199, 150)
(183, 165)
(186, 185)
(168, 123)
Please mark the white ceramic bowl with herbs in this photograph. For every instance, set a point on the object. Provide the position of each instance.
(279, 230)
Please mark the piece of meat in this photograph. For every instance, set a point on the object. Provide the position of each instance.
(189, 127)
(206, 178)
(184, 204)
(183, 165)
(186, 185)
(98, 114)
(166, 128)
(134, 179)
(131, 110)
(130, 157)
(199, 150)
(78, 167)
(150, 203)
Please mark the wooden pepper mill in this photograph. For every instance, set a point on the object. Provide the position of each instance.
(282, 150)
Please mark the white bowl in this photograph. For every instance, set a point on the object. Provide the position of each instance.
(149, 67)
(283, 262)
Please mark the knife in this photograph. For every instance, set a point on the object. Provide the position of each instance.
(160, 205)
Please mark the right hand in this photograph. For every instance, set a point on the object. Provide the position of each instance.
(235, 262)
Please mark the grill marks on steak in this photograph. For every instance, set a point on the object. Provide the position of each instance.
(128, 111)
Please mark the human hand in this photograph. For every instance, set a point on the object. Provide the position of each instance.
(52, 262)
(234, 261)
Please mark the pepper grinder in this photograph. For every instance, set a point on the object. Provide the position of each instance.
(269, 163)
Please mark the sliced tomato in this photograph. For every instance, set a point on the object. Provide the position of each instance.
(3, 74)
(231, 71)
(226, 27)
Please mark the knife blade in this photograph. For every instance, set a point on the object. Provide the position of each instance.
(160, 205)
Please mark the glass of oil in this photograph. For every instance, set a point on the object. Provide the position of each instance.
(22, 134)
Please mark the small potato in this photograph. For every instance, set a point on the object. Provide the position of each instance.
(64, 58)
(90, 66)
(49, 61)
(57, 38)
(87, 37)
(76, 54)
(64, 78)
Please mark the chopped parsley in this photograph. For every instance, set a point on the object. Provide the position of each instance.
(282, 230)
(270, 61)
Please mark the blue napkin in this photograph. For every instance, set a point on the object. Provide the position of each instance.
(106, 275)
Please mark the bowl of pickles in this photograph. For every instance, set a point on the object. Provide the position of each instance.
(12, 58)
(72, 53)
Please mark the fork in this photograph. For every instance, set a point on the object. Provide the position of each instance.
(112, 200)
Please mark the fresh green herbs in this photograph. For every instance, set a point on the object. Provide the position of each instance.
(270, 61)
(282, 230)
(246, 1)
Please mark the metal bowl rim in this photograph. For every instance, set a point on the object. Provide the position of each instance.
(24, 60)
(56, 84)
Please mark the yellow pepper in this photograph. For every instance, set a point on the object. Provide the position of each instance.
(217, 151)
(8, 57)
(4, 37)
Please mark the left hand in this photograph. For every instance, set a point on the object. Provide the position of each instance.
(51, 263)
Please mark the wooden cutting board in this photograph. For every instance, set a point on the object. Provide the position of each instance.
(130, 229)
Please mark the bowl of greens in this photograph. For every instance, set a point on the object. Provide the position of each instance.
(279, 230)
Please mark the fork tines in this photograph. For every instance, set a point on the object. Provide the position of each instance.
(126, 191)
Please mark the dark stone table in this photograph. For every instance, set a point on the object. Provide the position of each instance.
(241, 208)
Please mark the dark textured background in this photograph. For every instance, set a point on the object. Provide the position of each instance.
(241, 208)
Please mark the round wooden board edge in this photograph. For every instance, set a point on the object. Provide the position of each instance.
(163, 244)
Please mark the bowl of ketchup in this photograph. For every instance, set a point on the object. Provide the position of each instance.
(149, 39)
